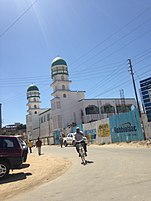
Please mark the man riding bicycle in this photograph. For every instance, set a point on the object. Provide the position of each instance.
(79, 139)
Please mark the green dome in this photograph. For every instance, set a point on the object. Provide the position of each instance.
(58, 61)
(32, 88)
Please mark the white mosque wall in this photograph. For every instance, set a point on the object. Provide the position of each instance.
(100, 103)
(73, 113)
(46, 129)
(68, 111)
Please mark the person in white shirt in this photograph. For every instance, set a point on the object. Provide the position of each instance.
(79, 139)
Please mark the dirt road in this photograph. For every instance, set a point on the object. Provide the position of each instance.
(37, 170)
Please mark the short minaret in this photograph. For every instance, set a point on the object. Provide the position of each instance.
(32, 118)
(33, 97)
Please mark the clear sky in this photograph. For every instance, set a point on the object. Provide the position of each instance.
(94, 37)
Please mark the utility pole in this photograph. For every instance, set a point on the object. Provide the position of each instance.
(0, 118)
(132, 73)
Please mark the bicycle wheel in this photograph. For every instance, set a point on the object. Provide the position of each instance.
(82, 153)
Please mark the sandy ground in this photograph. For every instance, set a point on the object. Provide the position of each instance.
(32, 174)
(134, 144)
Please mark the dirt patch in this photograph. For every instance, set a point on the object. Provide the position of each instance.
(37, 170)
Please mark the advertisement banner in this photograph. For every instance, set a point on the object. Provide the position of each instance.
(126, 127)
(104, 130)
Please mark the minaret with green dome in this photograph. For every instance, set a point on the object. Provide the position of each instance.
(59, 74)
(33, 97)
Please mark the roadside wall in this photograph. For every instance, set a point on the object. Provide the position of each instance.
(126, 127)
(98, 131)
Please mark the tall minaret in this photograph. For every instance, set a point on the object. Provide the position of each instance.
(32, 118)
(59, 74)
(61, 92)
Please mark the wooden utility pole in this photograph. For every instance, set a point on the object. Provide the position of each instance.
(0, 118)
(132, 73)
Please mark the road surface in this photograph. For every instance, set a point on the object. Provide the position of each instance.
(112, 174)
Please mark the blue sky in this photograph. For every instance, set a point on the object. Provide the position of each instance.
(95, 38)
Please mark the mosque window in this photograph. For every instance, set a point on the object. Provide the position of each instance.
(35, 106)
(62, 77)
(64, 95)
(35, 112)
(53, 106)
(59, 121)
(48, 117)
(107, 109)
(92, 109)
(63, 87)
(58, 105)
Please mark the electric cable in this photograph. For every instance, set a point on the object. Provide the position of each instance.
(17, 19)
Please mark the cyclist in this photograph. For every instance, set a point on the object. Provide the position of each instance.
(79, 139)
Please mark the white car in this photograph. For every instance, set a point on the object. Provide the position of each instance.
(70, 139)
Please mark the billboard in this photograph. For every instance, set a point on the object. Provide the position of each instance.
(126, 127)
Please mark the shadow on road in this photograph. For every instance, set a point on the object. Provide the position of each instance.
(90, 161)
(25, 166)
(87, 162)
(15, 177)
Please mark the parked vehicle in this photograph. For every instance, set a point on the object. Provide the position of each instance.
(13, 152)
(70, 139)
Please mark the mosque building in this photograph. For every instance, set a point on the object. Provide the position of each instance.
(68, 108)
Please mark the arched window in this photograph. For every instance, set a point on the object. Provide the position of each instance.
(63, 87)
(92, 109)
(64, 95)
(62, 77)
(107, 109)
(35, 106)
(35, 112)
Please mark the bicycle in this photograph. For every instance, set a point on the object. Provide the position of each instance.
(82, 154)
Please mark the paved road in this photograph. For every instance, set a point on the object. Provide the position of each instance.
(112, 174)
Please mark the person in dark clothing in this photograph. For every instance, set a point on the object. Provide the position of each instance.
(61, 139)
(38, 145)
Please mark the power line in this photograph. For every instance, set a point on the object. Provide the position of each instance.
(17, 19)
(106, 39)
(115, 42)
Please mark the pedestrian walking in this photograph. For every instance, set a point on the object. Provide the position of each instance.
(38, 145)
(61, 139)
(30, 145)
